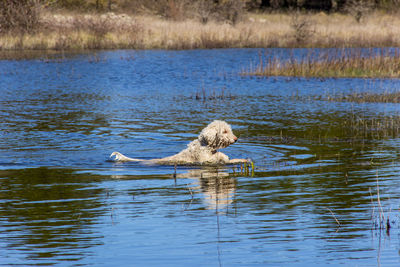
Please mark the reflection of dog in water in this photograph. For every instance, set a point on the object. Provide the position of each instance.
(217, 186)
(202, 150)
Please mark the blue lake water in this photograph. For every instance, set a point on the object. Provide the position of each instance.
(318, 163)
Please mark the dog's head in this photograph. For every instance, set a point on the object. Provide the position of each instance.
(217, 134)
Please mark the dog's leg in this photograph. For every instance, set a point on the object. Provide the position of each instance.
(116, 156)
(238, 161)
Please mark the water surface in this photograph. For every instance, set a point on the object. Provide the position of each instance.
(63, 203)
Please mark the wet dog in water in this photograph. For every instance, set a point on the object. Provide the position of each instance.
(202, 150)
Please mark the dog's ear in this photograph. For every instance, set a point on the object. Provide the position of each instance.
(209, 137)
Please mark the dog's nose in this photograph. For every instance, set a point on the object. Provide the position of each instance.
(235, 138)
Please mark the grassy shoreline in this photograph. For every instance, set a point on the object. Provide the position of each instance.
(65, 31)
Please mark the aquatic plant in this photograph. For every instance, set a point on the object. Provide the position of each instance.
(338, 63)
(369, 97)
(246, 169)
(213, 94)
(381, 222)
(374, 128)
(369, 126)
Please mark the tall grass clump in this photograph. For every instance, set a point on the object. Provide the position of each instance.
(338, 63)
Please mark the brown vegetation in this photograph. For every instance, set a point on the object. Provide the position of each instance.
(338, 63)
(159, 6)
(182, 24)
(19, 15)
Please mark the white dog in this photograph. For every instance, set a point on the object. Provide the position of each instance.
(202, 150)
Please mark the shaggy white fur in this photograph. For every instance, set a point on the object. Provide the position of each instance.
(202, 150)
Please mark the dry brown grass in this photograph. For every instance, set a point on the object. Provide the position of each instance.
(335, 30)
(338, 63)
(110, 31)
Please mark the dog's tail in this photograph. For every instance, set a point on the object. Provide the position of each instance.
(116, 156)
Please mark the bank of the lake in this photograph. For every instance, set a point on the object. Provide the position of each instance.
(67, 31)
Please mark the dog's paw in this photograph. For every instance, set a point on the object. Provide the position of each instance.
(116, 156)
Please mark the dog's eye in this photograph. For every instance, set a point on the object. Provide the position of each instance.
(225, 132)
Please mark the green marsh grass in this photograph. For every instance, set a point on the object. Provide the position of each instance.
(372, 126)
(356, 123)
(335, 63)
(369, 97)
(246, 169)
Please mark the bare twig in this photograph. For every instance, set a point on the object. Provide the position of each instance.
(381, 214)
(337, 221)
(190, 191)
(372, 202)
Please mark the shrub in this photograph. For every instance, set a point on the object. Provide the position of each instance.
(19, 15)
(358, 8)
(302, 28)
(203, 9)
(231, 11)
(223, 10)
